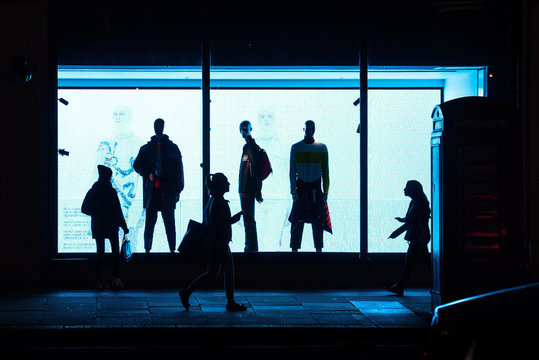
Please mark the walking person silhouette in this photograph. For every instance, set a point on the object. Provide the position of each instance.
(219, 222)
(416, 226)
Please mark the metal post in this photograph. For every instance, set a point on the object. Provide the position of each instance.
(363, 114)
(206, 63)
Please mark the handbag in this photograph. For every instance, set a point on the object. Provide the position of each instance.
(126, 251)
(192, 244)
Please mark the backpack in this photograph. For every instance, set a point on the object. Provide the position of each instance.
(266, 165)
(88, 204)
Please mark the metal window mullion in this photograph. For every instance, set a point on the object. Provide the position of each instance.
(363, 133)
(206, 63)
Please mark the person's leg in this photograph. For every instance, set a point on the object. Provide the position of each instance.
(318, 236)
(414, 255)
(296, 233)
(228, 269)
(426, 257)
(115, 249)
(409, 260)
(214, 267)
(170, 228)
(151, 218)
(213, 270)
(248, 207)
(100, 244)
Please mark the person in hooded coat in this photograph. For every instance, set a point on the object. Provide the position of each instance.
(416, 226)
(102, 204)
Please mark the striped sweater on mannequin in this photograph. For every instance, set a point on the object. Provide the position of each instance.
(309, 162)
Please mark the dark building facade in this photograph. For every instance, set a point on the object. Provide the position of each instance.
(37, 36)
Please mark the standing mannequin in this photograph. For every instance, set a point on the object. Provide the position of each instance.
(308, 169)
(159, 162)
(250, 185)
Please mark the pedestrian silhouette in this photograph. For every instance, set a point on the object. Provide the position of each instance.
(250, 185)
(159, 162)
(308, 168)
(218, 221)
(416, 226)
(102, 204)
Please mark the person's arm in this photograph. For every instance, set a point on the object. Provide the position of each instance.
(325, 172)
(117, 211)
(181, 182)
(293, 171)
(234, 219)
(256, 166)
(139, 165)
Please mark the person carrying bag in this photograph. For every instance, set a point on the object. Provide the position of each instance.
(218, 224)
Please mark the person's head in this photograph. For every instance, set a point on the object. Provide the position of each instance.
(413, 189)
(309, 128)
(217, 184)
(159, 126)
(245, 128)
(104, 172)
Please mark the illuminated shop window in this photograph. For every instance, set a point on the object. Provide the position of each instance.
(111, 111)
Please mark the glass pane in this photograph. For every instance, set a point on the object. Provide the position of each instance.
(399, 150)
(278, 117)
(108, 126)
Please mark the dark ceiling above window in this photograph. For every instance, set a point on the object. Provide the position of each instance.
(280, 33)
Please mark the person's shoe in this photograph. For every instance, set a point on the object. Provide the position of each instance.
(117, 283)
(395, 289)
(184, 297)
(235, 307)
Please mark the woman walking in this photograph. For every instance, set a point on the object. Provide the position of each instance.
(416, 225)
(219, 222)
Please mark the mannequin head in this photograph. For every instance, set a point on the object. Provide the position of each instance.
(309, 129)
(245, 128)
(265, 123)
(158, 126)
(122, 116)
(217, 184)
